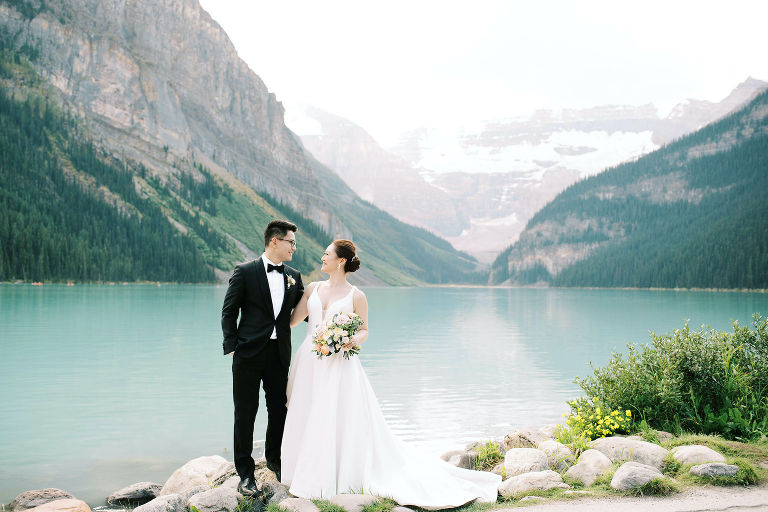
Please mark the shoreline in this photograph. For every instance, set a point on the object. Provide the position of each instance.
(425, 285)
(572, 490)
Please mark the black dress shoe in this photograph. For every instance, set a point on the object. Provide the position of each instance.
(247, 486)
(275, 468)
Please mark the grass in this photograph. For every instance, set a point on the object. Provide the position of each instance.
(656, 487)
(247, 504)
(648, 434)
(381, 505)
(489, 454)
(327, 506)
(670, 466)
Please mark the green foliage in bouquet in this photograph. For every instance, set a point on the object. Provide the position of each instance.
(703, 381)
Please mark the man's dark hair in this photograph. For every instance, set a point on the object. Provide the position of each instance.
(278, 228)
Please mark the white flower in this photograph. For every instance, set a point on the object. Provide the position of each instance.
(291, 281)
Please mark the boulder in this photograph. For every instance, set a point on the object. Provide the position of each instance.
(714, 469)
(32, 499)
(591, 464)
(696, 454)
(548, 430)
(64, 505)
(224, 473)
(271, 488)
(401, 509)
(230, 483)
(278, 494)
(622, 449)
(535, 481)
(298, 505)
(633, 474)
(136, 494)
(195, 490)
(461, 459)
(559, 456)
(165, 503)
(447, 455)
(464, 460)
(524, 460)
(524, 438)
(353, 502)
(199, 471)
(218, 499)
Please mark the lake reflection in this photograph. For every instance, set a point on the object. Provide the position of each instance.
(104, 386)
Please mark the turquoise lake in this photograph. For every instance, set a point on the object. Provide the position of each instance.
(105, 386)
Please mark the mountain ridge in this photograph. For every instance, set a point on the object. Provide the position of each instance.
(689, 215)
(482, 212)
(158, 84)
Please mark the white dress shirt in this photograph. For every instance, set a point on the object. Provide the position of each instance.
(276, 288)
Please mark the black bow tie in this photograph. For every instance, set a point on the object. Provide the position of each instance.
(276, 268)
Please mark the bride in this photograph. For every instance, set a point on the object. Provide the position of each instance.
(336, 439)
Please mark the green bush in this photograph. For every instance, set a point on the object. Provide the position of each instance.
(703, 381)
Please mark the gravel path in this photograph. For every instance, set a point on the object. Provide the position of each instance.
(700, 499)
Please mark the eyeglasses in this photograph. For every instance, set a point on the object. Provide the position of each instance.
(292, 242)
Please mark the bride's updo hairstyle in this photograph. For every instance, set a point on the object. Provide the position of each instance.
(347, 250)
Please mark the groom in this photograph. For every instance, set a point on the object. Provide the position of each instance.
(263, 292)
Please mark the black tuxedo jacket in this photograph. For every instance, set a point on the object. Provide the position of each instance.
(248, 295)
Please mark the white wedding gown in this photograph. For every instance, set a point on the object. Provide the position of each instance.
(337, 441)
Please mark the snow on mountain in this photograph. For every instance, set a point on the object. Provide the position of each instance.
(441, 150)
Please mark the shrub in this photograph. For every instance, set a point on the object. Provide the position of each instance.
(703, 381)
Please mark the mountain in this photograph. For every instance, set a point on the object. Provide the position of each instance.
(469, 210)
(691, 214)
(155, 90)
(477, 186)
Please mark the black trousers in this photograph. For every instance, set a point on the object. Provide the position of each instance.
(247, 376)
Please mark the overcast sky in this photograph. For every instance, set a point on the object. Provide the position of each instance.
(394, 65)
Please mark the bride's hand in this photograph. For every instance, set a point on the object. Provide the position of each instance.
(354, 341)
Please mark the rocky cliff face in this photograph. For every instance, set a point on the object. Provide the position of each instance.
(378, 176)
(159, 77)
(159, 89)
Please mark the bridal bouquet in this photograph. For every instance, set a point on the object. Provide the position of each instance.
(329, 337)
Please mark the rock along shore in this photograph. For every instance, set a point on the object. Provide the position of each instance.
(533, 464)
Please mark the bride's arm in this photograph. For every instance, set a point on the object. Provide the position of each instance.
(361, 308)
(300, 312)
